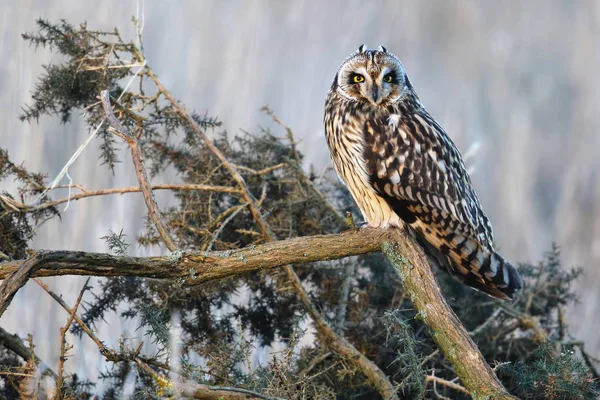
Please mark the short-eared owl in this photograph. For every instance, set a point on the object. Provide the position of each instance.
(400, 165)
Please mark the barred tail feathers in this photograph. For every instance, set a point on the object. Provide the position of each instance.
(469, 262)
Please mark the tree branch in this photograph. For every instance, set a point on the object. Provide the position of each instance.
(246, 195)
(445, 327)
(408, 258)
(140, 170)
(18, 277)
(15, 344)
(444, 382)
(21, 207)
(198, 268)
(153, 211)
(210, 392)
(64, 346)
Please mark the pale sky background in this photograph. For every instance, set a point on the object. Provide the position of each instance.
(518, 78)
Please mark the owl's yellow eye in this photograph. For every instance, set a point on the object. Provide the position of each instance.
(358, 78)
(388, 78)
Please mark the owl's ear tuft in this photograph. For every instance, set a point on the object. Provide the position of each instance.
(381, 48)
(362, 48)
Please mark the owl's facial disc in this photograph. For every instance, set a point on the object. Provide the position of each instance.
(376, 77)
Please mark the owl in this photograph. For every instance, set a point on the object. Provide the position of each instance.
(401, 167)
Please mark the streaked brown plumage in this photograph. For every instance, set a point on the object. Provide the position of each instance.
(400, 165)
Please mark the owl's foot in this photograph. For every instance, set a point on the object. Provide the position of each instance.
(352, 225)
(362, 225)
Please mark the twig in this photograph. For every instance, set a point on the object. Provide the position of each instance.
(435, 380)
(421, 364)
(222, 226)
(196, 391)
(199, 391)
(21, 207)
(153, 211)
(211, 392)
(500, 365)
(140, 171)
(9, 373)
(246, 195)
(316, 361)
(486, 323)
(301, 175)
(350, 221)
(29, 387)
(79, 321)
(589, 360)
(335, 342)
(109, 354)
(289, 131)
(527, 321)
(263, 171)
(64, 347)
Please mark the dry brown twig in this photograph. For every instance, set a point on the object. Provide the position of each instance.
(64, 346)
(140, 169)
(440, 381)
(288, 130)
(21, 207)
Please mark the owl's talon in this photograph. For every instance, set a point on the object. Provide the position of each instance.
(362, 225)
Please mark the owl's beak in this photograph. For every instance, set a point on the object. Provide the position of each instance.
(375, 94)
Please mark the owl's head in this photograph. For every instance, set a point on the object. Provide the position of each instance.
(373, 76)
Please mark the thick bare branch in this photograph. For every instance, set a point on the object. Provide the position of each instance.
(406, 255)
(201, 267)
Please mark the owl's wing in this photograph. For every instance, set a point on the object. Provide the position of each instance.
(415, 166)
(413, 159)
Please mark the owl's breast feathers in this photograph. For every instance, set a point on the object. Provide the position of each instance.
(409, 162)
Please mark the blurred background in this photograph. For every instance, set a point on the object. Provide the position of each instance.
(516, 80)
